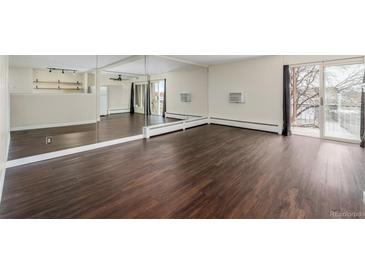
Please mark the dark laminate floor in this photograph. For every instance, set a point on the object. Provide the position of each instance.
(205, 172)
(32, 142)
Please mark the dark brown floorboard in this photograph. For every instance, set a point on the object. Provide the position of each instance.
(205, 172)
(32, 142)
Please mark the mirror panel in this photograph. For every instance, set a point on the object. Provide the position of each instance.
(60, 102)
(52, 103)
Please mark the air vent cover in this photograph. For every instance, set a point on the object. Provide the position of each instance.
(185, 97)
(236, 97)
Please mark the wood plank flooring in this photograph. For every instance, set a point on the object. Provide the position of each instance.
(205, 172)
(32, 142)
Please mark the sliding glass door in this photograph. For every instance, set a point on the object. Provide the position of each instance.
(326, 100)
(342, 101)
(140, 90)
(157, 97)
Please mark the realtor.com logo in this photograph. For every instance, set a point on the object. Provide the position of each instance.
(347, 214)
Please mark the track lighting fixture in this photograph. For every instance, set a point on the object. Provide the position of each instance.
(63, 70)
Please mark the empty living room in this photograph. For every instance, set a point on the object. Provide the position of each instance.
(154, 138)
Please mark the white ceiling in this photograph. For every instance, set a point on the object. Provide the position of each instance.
(212, 59)
(128, 63)
(154, 65)
(78, 62)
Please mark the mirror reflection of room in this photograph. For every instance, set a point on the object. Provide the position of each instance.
(133, 95)
(61, 102)
(52, 103)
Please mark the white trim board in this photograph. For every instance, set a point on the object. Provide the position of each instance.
(69, 151)
(244, 124)
(119, 110)
(155, 130)
(53, 125)
(2, 181)
(7, 147)
(2, 175)
(180, 116)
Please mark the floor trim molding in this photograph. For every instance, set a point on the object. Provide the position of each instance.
(69, 151)
(52, 125)
(180, 116)
(118, 110)
(155, 130)
(245, 124)
(3, 171)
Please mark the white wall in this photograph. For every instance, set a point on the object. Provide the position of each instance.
(32, 108)
(20, 80)
(194, 81)
(119, 97)
(4, 117)
(261, 79)
(119, 93)
(47, 110)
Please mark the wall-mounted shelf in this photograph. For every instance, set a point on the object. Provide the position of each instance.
(57, 82)
(58, 88)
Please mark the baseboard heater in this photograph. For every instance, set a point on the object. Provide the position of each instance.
(118, 110)
(180, 116)
(246, 124)
(155, 130)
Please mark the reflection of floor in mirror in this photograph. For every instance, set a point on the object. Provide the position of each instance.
(32, 142)
(123, 125)
(204, 172)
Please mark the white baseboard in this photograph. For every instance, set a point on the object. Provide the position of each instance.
(180, 116)
(2, 180)
(3, 171)
(52, 125)
(65, 152)
(7, 147)
(245, 124)
(155, 130)
(116, 111)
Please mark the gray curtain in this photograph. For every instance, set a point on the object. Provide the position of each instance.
(164, 99)
(362, 122)
(286, 101)
(132, 99)
(147, 109)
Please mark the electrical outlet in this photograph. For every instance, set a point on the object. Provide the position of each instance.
(48, 140)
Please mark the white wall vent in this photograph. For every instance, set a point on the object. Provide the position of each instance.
(236, 97)
(185, 97)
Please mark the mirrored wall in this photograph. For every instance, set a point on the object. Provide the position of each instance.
(61, 102)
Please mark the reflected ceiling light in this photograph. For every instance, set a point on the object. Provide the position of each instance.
(63, 70)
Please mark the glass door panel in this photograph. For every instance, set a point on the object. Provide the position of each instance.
(305, 100)
(342, 101)
(155, 101)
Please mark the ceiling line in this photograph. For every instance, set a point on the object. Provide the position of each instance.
(122, 61)
(182, 61)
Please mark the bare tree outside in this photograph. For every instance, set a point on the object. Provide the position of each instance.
(304, 91)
